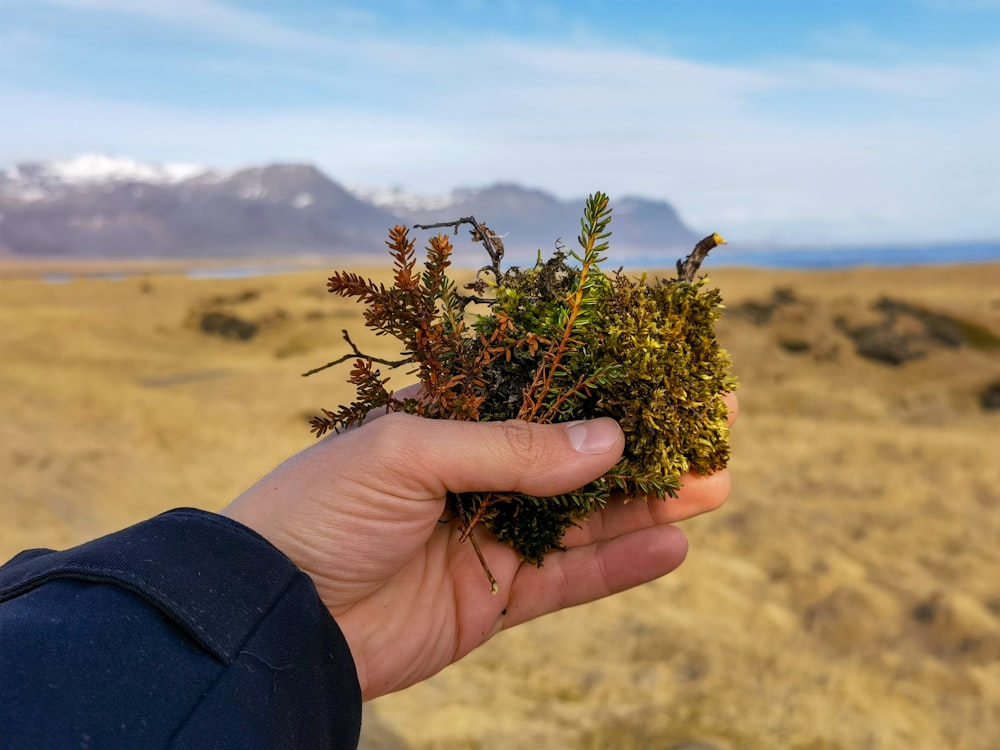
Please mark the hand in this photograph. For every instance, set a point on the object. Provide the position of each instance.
(361, 513)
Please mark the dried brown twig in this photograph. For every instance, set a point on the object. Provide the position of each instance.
(687, 268)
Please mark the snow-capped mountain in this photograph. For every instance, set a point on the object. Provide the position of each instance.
(39, 180)
(400, 201)
(100, 206)
(122, 209)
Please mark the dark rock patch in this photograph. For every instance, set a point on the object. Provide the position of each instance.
(938, 328)
(989, 398)
(906, 332)
(228, 326)
(881, 343)
(760, 313)
(795, 346)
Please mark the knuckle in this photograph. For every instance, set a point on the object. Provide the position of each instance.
(521, 439)
(719, 490)
(390, 434)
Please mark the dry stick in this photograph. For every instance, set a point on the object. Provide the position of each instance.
(491, 241)
(467, 533)
(355, 352)
(492, 498)
(687, 268)
(482, 561)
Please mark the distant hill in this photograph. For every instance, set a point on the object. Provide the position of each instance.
(533, 219)
(99, 207)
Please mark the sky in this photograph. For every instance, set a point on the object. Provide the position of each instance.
(788, 123)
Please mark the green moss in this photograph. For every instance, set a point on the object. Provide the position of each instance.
(561, 341)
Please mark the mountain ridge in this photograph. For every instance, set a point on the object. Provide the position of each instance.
(104, 207)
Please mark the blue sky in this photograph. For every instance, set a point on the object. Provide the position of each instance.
(797, 122)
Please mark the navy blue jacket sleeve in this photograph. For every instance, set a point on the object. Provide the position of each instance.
(188, 630)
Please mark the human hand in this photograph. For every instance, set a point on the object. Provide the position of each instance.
(361, 514)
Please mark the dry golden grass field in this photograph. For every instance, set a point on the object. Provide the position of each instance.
(847, 595)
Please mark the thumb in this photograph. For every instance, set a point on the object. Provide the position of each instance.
(511, 456)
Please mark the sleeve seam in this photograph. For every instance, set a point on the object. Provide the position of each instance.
(234, 662)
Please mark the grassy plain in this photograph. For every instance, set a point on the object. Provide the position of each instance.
(847, 595)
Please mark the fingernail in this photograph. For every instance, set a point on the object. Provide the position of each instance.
(597, 436)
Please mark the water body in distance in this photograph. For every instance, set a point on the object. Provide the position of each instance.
(838, 257)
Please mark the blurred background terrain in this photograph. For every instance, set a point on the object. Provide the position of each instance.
(844, 597)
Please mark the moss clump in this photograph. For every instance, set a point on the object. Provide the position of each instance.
(557, 342)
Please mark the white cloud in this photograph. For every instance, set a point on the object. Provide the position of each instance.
(215, 18)
(910, 80)
(907, 151)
